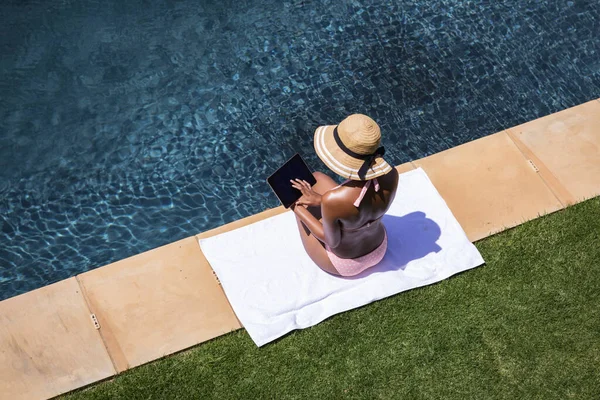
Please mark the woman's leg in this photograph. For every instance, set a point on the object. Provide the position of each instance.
(324, 183)
(313, 246)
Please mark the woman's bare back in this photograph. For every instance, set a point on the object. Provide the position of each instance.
(361, 228)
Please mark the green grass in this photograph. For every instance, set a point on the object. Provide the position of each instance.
(526, 325)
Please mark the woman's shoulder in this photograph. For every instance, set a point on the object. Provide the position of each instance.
(338, 200)
(393, 174)
(334, 196)
(389, 180)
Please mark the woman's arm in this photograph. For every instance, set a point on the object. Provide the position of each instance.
(327, 230)
(331, 210)
(314, 225)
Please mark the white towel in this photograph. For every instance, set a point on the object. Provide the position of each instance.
(274, 287)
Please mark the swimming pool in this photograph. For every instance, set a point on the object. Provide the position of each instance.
(129, 125)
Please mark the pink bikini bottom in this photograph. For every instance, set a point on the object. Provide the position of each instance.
(354, 266)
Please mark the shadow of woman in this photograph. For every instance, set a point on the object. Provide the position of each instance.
(410, 237)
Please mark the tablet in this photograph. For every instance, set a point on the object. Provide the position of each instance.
(294, 168)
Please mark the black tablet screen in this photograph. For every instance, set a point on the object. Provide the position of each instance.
(294, 168)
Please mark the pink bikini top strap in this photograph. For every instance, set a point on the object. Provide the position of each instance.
(364, 191)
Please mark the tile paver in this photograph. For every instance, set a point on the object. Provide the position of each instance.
(157, 303)
(405, 167)
(489, 185)
(566, 148)
(48, 343)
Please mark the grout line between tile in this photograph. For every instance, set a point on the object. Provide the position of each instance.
(556, 188)
(99, 330)
(217, 280)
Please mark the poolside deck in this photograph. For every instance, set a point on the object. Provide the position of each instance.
(100, 323)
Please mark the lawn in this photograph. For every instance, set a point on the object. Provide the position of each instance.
(526, 325)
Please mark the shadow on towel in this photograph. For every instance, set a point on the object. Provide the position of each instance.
(410, 237)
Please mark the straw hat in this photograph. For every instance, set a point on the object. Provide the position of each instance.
(351, 149)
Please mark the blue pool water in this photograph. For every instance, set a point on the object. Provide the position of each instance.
(126, 125)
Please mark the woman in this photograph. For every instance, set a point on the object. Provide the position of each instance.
(340, 225)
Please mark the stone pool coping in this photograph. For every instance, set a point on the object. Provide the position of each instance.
(93, 326)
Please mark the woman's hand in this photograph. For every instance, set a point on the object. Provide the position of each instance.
(309, 198)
